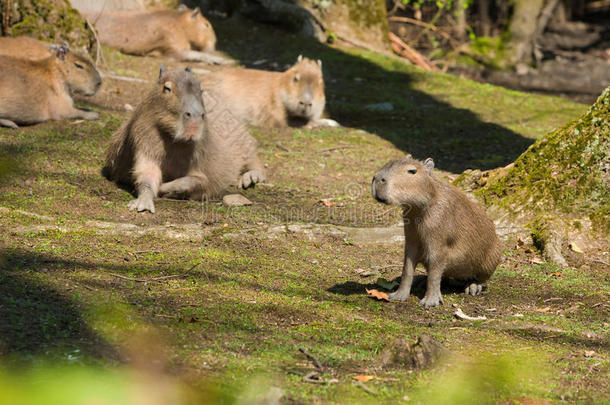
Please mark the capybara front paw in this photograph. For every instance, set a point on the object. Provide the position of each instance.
(432, 300)
(399, 295)
(141, 204)
(473, 289)
(250, 178)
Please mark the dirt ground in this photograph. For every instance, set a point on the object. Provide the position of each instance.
(217, 301)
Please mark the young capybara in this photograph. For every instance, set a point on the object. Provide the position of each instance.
(167, 147)
(33, 91)
(272, 99)
(183, 34)
(444, 230)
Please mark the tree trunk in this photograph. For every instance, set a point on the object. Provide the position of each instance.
(522, 30)
(460, 15)
(484, 20)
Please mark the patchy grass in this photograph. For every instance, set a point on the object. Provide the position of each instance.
(237, 301)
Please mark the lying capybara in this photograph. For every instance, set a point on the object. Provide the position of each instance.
(444, 230)
(182, 34)
(167, 147)
(25, 48)
(272, 99)
(33, 91)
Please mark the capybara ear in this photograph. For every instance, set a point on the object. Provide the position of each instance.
(182, 7)
(429, 165)
(61, 51)
(161, 71)
(300, 58)
(408, 157)
(319, 63)
(195, 12)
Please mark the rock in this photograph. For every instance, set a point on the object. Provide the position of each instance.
(235, 200)
(425, 353)
(387, 106)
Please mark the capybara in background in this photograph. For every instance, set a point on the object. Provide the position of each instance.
(444, 230)
(272, 99)
(167, 147)
(182, 34)
(33, 91)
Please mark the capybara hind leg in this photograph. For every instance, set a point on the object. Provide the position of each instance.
(8, 124)
(473, 289)
(185, 187)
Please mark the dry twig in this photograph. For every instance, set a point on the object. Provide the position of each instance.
(311, 358)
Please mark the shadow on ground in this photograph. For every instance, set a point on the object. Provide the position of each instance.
(419, 124)
(36, 319)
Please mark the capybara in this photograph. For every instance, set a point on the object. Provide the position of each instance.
(33, 91)
(444, 230)
(167, 147)
(183, 34)
(272, 99)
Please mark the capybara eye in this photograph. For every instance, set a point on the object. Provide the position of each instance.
(296, 79)
(412, 171)
(78, 65)
(167, 89)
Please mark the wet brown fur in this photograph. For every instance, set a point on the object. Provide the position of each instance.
(444, 230)
(34, 91)
(145, 153)
(269, 99)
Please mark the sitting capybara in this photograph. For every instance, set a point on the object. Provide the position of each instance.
(444, 230)
(167, 147)
(182, 34)
(272, 99)
(33, 91)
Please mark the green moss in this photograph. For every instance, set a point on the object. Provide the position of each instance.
(51, 21)
(564, 171)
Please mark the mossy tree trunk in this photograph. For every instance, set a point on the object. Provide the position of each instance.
(48, 20)
(562, 180)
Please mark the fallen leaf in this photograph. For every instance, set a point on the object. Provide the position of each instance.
(380, 295)
(536, 260)
(545, 309)
(589, 353)
(555, 274)
(388, 285)
(363, 378)
(327, 202)
(574, 247)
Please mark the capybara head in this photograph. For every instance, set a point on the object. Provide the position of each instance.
(303, 89)
(180, 94)
(406, 182)
(198, 29)
(79, 72)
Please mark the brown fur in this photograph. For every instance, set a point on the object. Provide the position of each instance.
(40, 90)
(444, 230)
(183, 34)
(270, 99)
(162, 151)
(25, 48)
